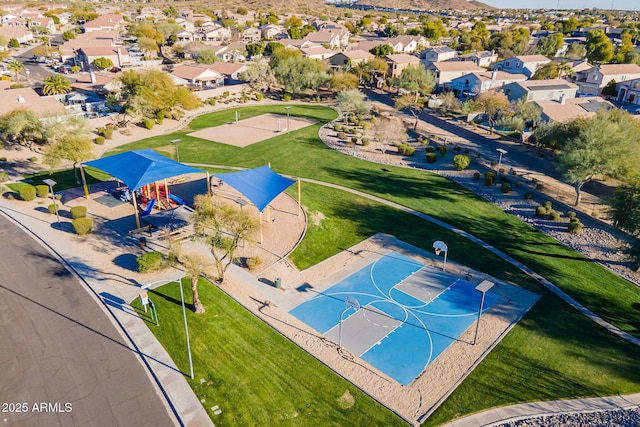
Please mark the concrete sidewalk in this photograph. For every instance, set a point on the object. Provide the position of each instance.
(497, 416)
(112, 294)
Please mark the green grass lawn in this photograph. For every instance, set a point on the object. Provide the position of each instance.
(553, 353)
(255, 375)
(64, 179)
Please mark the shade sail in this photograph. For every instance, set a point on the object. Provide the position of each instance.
(260, 185)
(141, 167)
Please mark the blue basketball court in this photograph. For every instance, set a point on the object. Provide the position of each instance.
(409, 314)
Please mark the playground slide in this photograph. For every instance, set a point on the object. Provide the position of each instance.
(150, 205)
(177, 199)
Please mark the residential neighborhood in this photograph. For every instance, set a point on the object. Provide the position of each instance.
(319, 213)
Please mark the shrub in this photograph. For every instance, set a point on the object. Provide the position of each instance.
(402, 148)
(430, 149)
(82, 226)
(409, 151)
(33, 159)
(149, 123)
(259, 96)
(554, 216)
(353, 131)
(108, 133)
(505, 188)
(341, 135)
(539, 186)
(354, 139)
(286, 97)
(99, 140)
(27, 193)
(461, 162)
(528, 196)
(365, 142)
(151, 261)
(432, 157)
(100, 131)
(4, 177)
(476, 175)
(571, 215)
(42, 191)
(3, 159)
(254, 262)
(52, 208)
(337, 127)
(548, 206)
(78, 212)
(489, 178)
(574, 226)
(541, 211)
(442, 150)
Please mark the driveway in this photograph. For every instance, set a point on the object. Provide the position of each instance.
(63, 362)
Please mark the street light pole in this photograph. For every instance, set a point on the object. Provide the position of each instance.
(501, 151)
(186, 329)
(483, 288)
(51, 183)
(175, 141)
(287, 108)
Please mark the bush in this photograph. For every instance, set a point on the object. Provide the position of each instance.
(489, 178)
(409, 151)
(27, 193)
(541, 211)
(78, 212)
(341, 135)
(365, 142)
(432, 157)
(574, 226)
(52, 208)
(571, 215)
(82, 226)
(149, 123)
(402, 148)
(100, 131)
(505, 188)
(476, 175)
(354, 139)
(430, 149)
(528, 196)
(337, 127)
(461, 162)
(254, 262)
(99, 140)
(442, 150)
(539, 186)
(548, 206)
(259, 96)
(286, 97)
(4, 177)
(554, 216)
(151, 261)
(33, 159)
(42, 190)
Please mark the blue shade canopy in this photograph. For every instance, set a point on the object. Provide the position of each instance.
(141, 167)
(260, 185)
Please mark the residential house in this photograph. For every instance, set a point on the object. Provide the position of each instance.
(273, 32)
(437, 54)
(629, 91)
(476, 83)
(541, 90)
(230, 70)
(483, 58)
(367, 45)
(69, 48)
(523, 64)
(192, 50)
(216, 34)
(336, 38)
(320, 53)
(407, 44)
(565, 110)
(445, 72)
(22, 34)
(188, 36)
(593, 80)
(196, 76)
(42, 21)
(398, 62)
(118, 55)
(18, 21)
(27, 98)
(105, 22)
(349, 58)
(97, 83)
(251, 35)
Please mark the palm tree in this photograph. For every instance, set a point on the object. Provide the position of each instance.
(15, 66)
(56, 85)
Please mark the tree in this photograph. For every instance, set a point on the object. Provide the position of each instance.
(599, 47)
(56, 85)
(610, 89)
(624, 48)
(381, 50)
(625, 208)
(148, 46)
(68, 138)
(352, 101)
(417, 80)
(550, 44)
(22, 126)
(529, 112)
(103, 63)
(546, 72)
(298, 74)
(341, 81)
(374, 66)
(207, 56)
(449, 102)
(491, 103)
(412, 103)
(606, 145)
(68, 35)
(15, 66)
(14, 43)
(254, 49)
(195, 265)
(222, 226)
(259, 75)
(576, 51)
(386, 131)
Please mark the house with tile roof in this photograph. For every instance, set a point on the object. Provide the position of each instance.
(105, 22)
(475, 83)
(522, 64)
(593, 80)
(349, 58)
(28, 99)
(398, 62)
(437, 54)
(540, 90)
(446, 71)
(196, 75)
(565, 110)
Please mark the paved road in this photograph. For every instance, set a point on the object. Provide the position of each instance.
(58, 348)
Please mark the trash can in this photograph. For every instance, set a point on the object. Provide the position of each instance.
(278, 282)
(142, 242)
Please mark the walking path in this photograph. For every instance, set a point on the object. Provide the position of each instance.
(171, 383)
